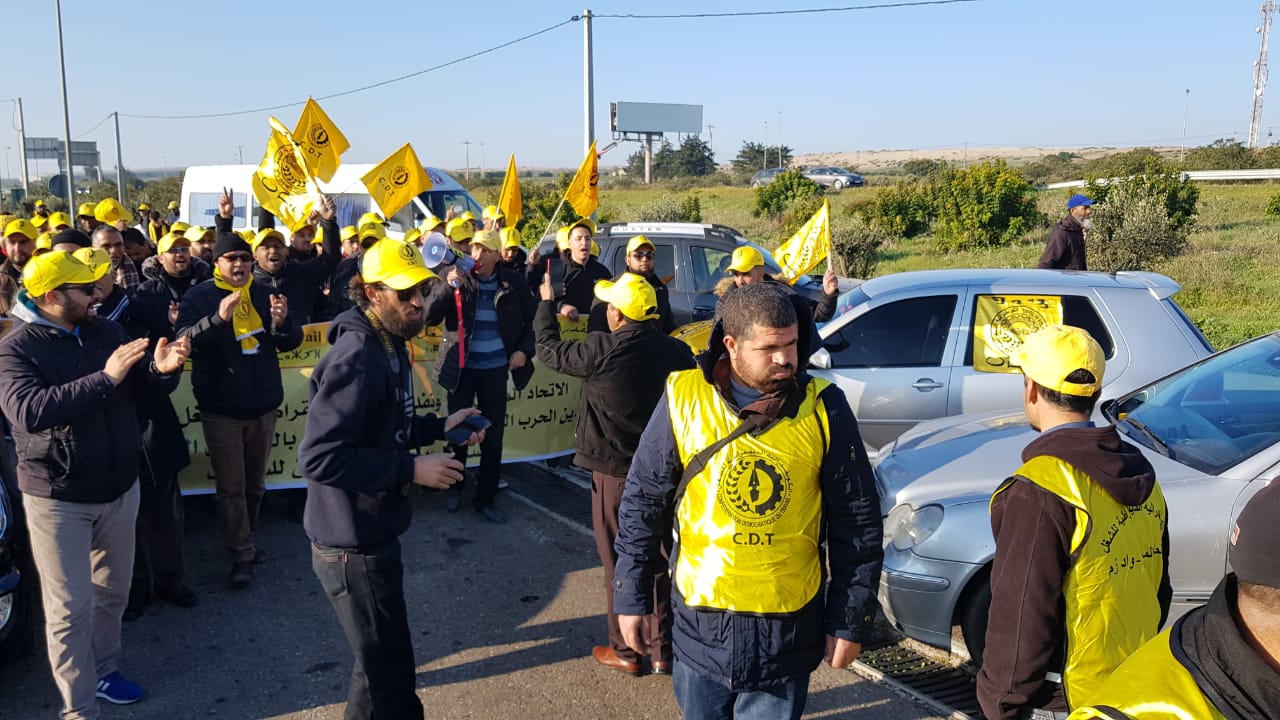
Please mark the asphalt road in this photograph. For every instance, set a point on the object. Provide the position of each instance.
(503, 618)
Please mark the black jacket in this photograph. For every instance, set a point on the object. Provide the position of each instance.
(623, 374)
(1064, 249)
(598, 322)
(301, 282)
(224, 380)
(578, 287)
(339, 297)
(356, 452)
(163, 288)
(164, 447)
(76, 434)
(744, 651)
(515, 324)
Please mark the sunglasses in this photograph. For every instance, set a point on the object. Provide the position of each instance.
(86, 289)
(642, 254)
(180, 250)
(237, 258)
(408, 293)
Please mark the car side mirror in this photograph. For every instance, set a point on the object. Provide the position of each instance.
(820, 359)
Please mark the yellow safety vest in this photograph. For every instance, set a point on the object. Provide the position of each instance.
(1116, 567)
(1150, 685)
(747, 526)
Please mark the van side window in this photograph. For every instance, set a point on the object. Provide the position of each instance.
(202, 208)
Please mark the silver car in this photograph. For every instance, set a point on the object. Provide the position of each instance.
(834, 177)
(1211, 430)
(903, 346)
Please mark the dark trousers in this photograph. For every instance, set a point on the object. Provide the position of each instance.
(606, 498)
(158, 562)
(702, 698)
(366, 590)
(487, 390)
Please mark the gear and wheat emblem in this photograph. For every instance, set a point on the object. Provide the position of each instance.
(754, 489)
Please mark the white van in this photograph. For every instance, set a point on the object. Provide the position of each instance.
(202, 188)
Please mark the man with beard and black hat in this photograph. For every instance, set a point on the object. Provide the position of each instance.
(1221, 660)
(158, 567)
(236, 327)
(358, 455)
(69, 385)
(640, 261)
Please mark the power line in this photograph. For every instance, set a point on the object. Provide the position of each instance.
(809, 11)
(352, 91)
(95, 127)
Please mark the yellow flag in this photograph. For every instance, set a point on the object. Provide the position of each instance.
(583, 194)
(509, 200)
(807, 247)
(396, 181)
(321, 141)
(281, 183)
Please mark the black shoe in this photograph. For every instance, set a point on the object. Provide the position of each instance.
(260, 556)
(492, 514)
(136, 608)
(454, 501)
(181, 596)
(241, 575)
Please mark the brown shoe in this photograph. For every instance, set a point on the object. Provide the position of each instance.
(241, 575)
(606, 656)
(658, 667)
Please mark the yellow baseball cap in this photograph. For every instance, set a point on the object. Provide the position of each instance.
(110, 211)
(246, 234)
(50, 270)
(460, 229)
(170, 239)
(95, 258)
(173, 204)
(396, 264)
(372, 230)
(39, 203)
(587, 223)
(638, 242)
(412, 235)
(631, 294)
(86, 210)
(488, 239)
(21, 226)
(40, 220)
(745, 259)
(491, 212)
(143, 207)
(562, 238)
(595, 249)
(371, 218)
(349, 232)
(264, 235)
(511, 238)
(59, 220)
(468, 216)
(430, 222)
(196, 233)
(44, 243)
(179, 227)
(1053, 352)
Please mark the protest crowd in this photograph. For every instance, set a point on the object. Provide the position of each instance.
(734, 507)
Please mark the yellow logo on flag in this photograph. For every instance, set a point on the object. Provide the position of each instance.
(397, 180)
(1001, 321)
(583, 193)
(808, 247)
(282, 183)
(509, 200)
(321, 141)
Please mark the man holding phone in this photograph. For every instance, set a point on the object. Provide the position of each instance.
(358, 455)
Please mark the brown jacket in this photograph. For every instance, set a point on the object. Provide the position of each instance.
(10, 284)
(1064, 249)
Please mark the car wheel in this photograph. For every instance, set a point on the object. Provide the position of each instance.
(838, 185)
(755, 184)
(975, 603)
(18, 633)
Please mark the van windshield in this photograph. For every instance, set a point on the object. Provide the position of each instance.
(439, 202)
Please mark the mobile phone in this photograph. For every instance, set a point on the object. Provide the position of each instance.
(555, 271)
(461, 434)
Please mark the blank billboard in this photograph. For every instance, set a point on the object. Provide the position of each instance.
(638, 117)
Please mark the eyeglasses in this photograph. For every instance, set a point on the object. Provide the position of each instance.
(642, 254)
(408, 293)
(237, 258)
(88, 290)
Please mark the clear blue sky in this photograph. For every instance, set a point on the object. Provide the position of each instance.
(991, 72)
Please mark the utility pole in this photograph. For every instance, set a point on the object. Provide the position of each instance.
(240, 153)
(711, 139)
(779, 138)
(589, 93)
(764, 161)
(1260, 74)
(468, 156)
(119, 161)
(1186, 110)
(22, 150)
(66, 114)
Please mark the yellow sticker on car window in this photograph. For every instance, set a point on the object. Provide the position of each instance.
(1001, 321)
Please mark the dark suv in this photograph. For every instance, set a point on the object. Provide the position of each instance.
(690, 258)
(764, 177)
(17, 575)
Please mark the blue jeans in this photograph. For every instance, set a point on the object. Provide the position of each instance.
(701, 698)
(366, 590)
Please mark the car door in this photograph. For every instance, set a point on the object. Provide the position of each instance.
(890, 358)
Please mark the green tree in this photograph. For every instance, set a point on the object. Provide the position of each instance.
(1157, 177)
(922, 167)
(1221, 154)
(694, 158)
(786, 189)
(1132, 230)
(985, 205)
(757, 156)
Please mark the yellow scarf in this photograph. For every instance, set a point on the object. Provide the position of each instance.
(245, 321)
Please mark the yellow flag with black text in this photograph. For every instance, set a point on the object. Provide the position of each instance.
(397, 180)
(321, 141)
(509, 200)
(583, 192)
(808, 247)
(282, 183)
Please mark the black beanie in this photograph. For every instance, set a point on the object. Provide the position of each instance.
(227, 242)
(1256, 537)
(74, 237)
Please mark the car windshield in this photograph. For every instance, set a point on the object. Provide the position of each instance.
(1212, 415)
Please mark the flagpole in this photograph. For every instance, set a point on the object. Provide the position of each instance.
(552, 221)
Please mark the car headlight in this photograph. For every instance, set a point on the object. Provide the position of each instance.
(907, 527)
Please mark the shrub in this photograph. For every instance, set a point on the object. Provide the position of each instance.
(1158, 179)
(922, 167)
(986, 205)
(857, 242)
(905, 210)
(1132, 230)
(691, 208)
(668, 208)
(1273, 207)
(786, 188)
